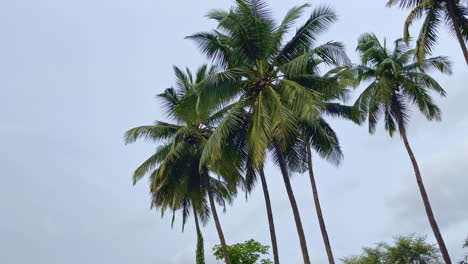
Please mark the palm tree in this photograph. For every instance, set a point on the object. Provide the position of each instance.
(177, 182)
(259, 71)
(180, 191)
(453, 12)
(319, 135)
(396, 83)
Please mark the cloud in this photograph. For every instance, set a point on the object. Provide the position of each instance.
(446, 181)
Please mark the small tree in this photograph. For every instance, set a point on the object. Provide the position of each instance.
(465, 260)
(248, 252)
(407, 249)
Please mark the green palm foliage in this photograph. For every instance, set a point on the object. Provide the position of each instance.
(260, 69)
(453, 13)
(177, 182)
(396, 83)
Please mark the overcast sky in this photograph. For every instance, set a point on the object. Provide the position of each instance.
(74, 75)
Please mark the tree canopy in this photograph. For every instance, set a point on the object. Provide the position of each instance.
(248, 252)
(405, 250)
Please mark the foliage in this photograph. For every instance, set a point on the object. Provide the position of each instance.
(266, 75)
(176, 182)
(248, 252)
(276, 82)
(435, 13)
(200, 251)
(270, 94)
(405, 250)
(465, 260)
(396, 82)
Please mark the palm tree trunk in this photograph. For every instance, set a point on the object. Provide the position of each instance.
(216, 220)
(427, 205)
(451, 8)
(323, 228)
(274, 245)
(200, 253)
(292, 200)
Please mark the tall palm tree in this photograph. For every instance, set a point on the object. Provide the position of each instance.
(396, 83)
(453, 13)
(180, 191)
(259, 69)
(318, 134)
(177, 182)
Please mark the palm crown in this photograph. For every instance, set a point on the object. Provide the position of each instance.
(317, 133)
(396, 81)
(176, 181)
(436, 12)
(261, 70)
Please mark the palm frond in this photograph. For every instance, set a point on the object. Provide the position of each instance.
(319, 21)
(323, 140)
(333, 53)
(425, 81)
(259, 133)
(304, 103)
(219, 87)
(404, 3)
(416, 13)
(212, 46)
(370, 49)
(169, 100)
(289, 19)
(420, 97)
(400, 111)
(151, 162)
(201, 73)
(343, 111)
(156, 132)
(439, 63)
(212, 149)
(428, 35)
(182, 79)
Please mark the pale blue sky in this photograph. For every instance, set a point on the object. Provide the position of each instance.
(74, 75)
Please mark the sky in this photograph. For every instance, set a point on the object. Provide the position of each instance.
(75, 75)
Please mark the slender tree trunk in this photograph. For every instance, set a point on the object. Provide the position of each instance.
(217, 223)
(323, 228)
(451, 8)
(292, 200)
(427, 205)
(200, 252)
(274, 245)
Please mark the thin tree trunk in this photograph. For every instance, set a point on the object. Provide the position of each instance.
(292, 200)
(271, 223)
(427, 205)
(323, 228)
(217, 223)
(451, 9)
(200, 252)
